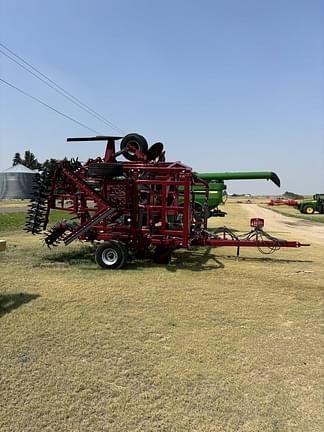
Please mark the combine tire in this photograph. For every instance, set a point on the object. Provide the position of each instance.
(105, 170)
(111, 255)
(135, 140)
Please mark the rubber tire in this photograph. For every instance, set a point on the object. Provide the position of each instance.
(308, 210)
(162, 255)
(135, 140)
(154, 151)
(105, 170)
(198, 210)
(125, 252)
(114, 247)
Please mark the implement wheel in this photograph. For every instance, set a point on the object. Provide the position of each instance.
(162, 255)
(111, 255)
(135, 140)
(105, 170)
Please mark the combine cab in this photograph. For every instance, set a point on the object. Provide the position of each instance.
(140, 206)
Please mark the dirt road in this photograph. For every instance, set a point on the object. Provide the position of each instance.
(13, 209)
(280, 225)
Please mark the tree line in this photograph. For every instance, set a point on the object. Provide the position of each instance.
(29, 160)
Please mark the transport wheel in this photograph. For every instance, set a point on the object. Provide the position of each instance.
(162, 255)
(124, 251)
(105, 170)
(135, 140)
(154, 151)
(198, 212)
(111, 255)
(308, 210)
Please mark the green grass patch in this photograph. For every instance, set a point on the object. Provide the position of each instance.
(16, 221)
(12, 221)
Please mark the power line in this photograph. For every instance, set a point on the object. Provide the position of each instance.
(58, 88)
(48, 84)
(48, 106)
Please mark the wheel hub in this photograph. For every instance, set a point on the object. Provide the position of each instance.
(109, 257)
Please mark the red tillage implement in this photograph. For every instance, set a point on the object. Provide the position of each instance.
(282, 201)
(141, 205)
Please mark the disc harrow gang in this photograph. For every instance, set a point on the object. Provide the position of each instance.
(133, 208)
(55, 235)
(37, 214)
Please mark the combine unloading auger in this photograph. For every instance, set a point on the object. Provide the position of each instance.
(135, 206)
(217, 187)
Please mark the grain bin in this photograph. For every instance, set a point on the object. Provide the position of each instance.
(16, 182)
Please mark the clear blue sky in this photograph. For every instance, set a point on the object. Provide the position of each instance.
(227, 85)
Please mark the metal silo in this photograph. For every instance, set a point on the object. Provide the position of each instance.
(16, 182)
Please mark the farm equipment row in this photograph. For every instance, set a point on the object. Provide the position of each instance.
(283, 201)
(141, 206)
(307, 206)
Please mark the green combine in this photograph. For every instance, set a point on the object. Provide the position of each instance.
(217, 187)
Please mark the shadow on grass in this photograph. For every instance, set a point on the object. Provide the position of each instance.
(194, 259)
(205, 259)
(73, 257)
(264, 258)
(9, 302)
(184, 260)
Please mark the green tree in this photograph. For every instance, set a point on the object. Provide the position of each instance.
(50, 164)
(17, 159)
(30, 160)
(292, 195)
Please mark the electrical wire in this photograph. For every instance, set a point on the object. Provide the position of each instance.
(45, 82)
(58, 88)
(48, 106)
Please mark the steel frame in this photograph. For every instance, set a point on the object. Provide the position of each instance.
(150, 203)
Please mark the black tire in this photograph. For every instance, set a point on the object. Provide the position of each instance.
(105, 170)
(111, 255)
(137, 141)
(154, 151)
(125, 252)
(308, 209)
(198, 209)
(162, 255)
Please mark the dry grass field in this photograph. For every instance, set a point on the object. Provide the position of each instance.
(293, 212)
(208, 343)
(14, 203)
